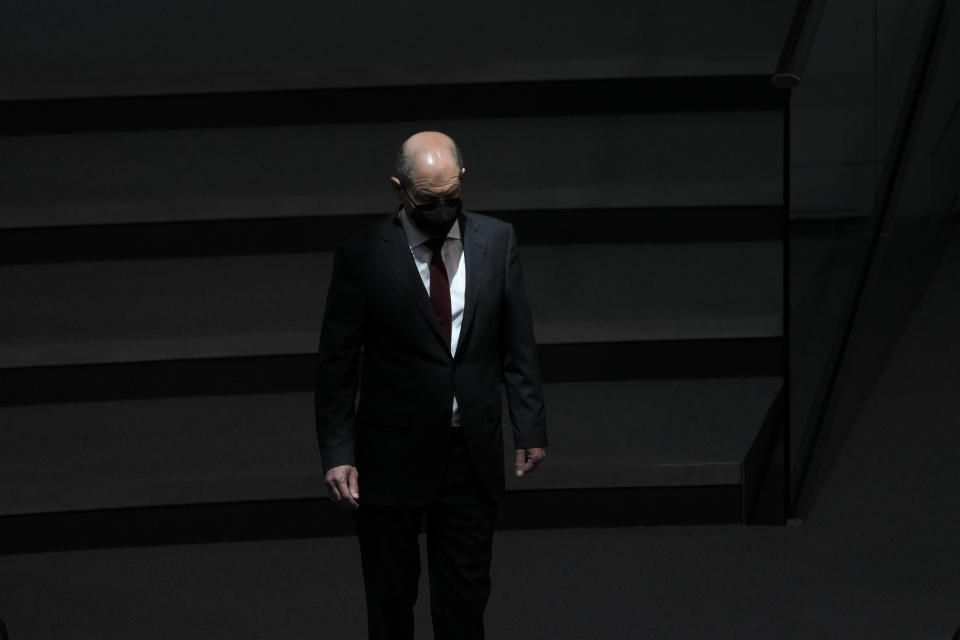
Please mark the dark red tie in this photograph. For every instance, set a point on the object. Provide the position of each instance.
(440, 288)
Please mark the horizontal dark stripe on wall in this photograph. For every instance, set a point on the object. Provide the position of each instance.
(322, 233)
(579, 362)
(390, 103)
(663, 359)
(820, 225)
(317, 517)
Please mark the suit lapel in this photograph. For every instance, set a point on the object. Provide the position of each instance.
(395, 251)
(474, 253)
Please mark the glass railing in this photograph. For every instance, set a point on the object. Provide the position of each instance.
(874, 173)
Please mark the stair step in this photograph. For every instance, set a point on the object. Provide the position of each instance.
(725, 357)
(649, 432)
(66, 313)
(547, 163)
(314, 517)
(290, 45)
(219, 469)
(96, 455)
(537, 98)
(302, 234)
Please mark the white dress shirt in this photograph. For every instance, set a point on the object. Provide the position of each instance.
(452, 254)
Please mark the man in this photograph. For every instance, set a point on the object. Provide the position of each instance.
(426, 318)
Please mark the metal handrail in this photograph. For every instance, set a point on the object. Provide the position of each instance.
(796, 48)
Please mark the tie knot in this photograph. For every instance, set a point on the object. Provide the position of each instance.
(435, 244)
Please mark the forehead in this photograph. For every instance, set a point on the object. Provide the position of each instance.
(436, 182)
(433, 179)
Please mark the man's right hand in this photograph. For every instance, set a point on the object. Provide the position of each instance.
(343, 486)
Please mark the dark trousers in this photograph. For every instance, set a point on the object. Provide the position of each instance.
(459, 526)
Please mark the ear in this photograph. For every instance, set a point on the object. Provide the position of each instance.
(395, 185)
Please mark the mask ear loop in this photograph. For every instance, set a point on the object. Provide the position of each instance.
(410, 201)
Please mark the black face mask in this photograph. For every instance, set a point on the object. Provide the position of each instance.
(436, 218)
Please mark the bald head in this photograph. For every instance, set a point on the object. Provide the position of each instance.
(429, 166)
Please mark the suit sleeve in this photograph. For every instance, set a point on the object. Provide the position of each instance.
(520, 365)
(338, 364)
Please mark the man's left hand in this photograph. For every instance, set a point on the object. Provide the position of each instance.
(528, 459)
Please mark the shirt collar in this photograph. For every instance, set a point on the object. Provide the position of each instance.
(416, 237)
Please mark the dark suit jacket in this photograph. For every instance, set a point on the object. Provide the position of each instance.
(380, 337)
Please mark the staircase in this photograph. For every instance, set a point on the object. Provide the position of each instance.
(166, 238)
